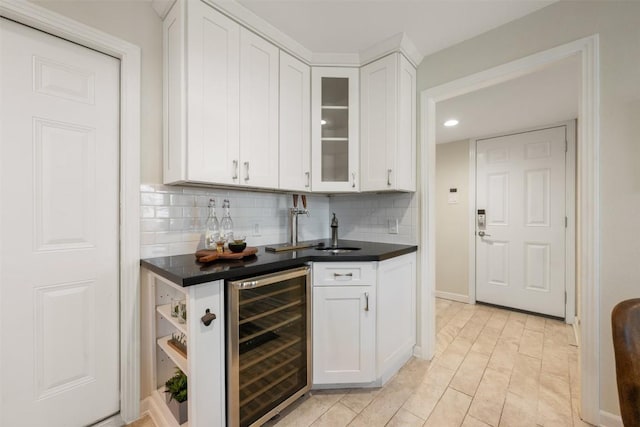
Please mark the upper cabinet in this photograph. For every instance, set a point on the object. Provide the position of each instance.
(221, 100)
(388, 125)
(240, 111)
(295, 126)
(334, 129)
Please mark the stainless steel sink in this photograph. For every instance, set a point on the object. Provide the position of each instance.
(338, 250)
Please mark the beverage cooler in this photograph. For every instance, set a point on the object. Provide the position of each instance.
(268, 344)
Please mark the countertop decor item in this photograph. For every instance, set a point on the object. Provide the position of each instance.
(208, 255)
(237, 247)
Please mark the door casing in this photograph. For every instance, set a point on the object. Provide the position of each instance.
(588, 231)
(129, 55)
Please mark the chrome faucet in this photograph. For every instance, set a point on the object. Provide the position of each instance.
(293, 217)
(334, 231)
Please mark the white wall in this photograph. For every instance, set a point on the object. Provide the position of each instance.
(452, 220)
(618, 24)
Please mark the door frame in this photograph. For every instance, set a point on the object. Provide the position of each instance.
(588, 195)
(50, 22)
(570, 213)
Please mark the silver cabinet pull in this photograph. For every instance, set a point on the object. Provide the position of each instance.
(342, 274)
(353, 177)
(246, 174)
(388, 176)
(308, 175)
(235, 170)
(366, 301)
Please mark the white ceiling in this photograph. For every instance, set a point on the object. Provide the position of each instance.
(548, 96)
(351, 26)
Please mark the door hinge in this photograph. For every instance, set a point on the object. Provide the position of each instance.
(566, 222)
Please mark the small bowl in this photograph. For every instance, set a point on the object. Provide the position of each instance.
(238, 240)
(237, 247)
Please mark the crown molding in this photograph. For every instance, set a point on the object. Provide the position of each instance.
(162, 7)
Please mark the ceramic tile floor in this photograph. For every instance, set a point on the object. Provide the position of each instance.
(492, 367)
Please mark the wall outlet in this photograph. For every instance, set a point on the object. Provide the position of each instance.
(393, 226)
(256, 229)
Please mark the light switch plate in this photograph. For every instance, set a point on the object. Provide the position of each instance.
(393, 226)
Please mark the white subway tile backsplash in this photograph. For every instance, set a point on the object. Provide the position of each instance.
(154, 225)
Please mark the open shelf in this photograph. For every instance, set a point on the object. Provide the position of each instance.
(165, 311)
(177, 358)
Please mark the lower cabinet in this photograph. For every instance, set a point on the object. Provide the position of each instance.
(344, 334)
(364, 320)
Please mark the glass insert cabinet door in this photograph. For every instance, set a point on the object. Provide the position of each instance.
(335, 118)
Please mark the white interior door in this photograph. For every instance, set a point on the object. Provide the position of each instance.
(59, 267)
(520, 261)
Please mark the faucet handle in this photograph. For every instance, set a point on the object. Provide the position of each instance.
(304, 201)
(295, 200)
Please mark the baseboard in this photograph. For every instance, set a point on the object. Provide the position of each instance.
(610, 420)
(114, 421)
(576, 330)
(452, 296)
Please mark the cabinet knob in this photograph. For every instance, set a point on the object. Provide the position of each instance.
(208, 317)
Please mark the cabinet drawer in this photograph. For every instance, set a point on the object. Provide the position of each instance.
(344, 273)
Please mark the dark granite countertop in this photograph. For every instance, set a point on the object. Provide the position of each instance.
(185, 271)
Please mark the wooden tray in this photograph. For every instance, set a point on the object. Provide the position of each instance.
(210, 255)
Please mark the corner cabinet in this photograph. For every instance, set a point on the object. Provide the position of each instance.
(220, 100)
(295, 126)
(335, 119)
(388, 125)
(204, 349)
(364, 321)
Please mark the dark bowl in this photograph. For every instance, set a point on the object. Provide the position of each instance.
(237, 247)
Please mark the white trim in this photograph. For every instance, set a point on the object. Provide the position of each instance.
(610, 420)
(335, 60)
(570, 230)
(396, 43)
(162, 7)
(453, 296)
(472, 221)
(588, 165)
(42, 19)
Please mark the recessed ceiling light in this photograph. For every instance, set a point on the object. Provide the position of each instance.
(451, 122)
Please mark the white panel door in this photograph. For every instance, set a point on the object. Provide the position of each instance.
(59, 231)
(295, 124)
(343, 334)
(520, 262)
(259, 63)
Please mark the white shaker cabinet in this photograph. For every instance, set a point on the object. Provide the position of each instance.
(334, 129)
(221, 100)
(295, 124)
(259, 63)
(396, 315)
(388, 125)
(344, 310)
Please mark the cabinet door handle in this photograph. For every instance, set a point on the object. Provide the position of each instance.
(246, 174)
(366, 301)
(353, 180)
(308, 179)
(388, 176)
(235, 170)
(342, 274)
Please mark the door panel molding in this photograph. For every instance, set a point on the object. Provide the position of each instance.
(129, 55)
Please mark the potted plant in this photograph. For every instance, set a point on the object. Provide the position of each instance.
(176, 396)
